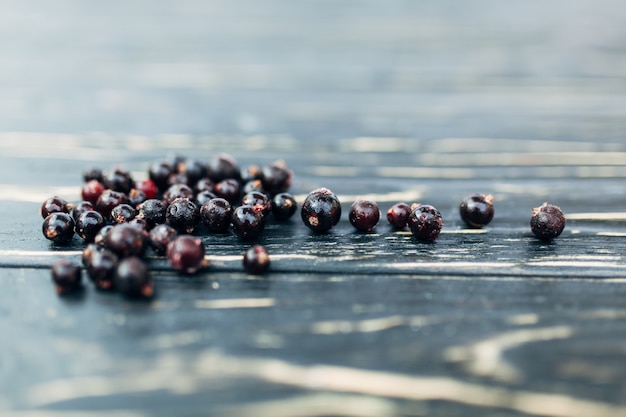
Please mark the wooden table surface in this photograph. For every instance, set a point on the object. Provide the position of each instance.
(394, 101)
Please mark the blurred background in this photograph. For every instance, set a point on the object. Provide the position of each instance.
(316, 70)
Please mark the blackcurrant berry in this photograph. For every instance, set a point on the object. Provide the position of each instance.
(321, 210)
(259, 200)
(177, 191)
(54, 205)
(228, 189)
(80, 208)
(160, 236)
(66, 276)
(425, 222)
(152, 211)
(92, 190)
(186, 254)
(364, 215)
(58, 227)
(122, 214)
(108, 200)
(283, 206)
(101, 267)
(247, 222)
(477, 210)
(89, 224)
(215, 214)
(125, 240)
(398, 215)
(547, 222)
(133, 279)
(182, 215)
(277, 177)
(223, 166)
(256, 260)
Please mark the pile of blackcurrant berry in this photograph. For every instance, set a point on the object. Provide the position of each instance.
(120, 218)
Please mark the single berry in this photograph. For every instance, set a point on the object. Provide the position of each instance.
(283, 206)
(89, 224)
(247, 222)
(425, 223)
(133, 279)
(228, 189)
(152, 211)
(223, 166)
(251, 173)
(66, 276)
(256, 260)
(159, 172)
(253, 185)
(54, 205)
(93, 174)
(398, 215)
(148, 187)
(122, 214)
(182, 215)
(59, 228)
(321, 210)
(141, 224)
(364, 215)
(80, 208)
(477, 210)
(92, 190)
(193, 169)
(547, 222)
(186, 254)
(215, 214)
(257, 199)
(277, 177)
(108, 200)
(125, 240)
(160, 236)
(101, 267)
(177, 178)
(136, 197)
(101, 235)
(120, 180)
(177, 191)
(204, 184)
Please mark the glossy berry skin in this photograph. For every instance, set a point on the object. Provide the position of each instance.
(59, 228)
(89, 224)
(425, 222)
(276, 177)
(203, 184)
(204, 196)
(247, 222)
(321, 210)
(476, 210)
(92, 190)
(120, 180)
(54, 205)
(186, 254)
(193, 169)
(256, 260)
(159, 172)
(364, 215)
(148, 187)
(547, 222)
(152, 211)
(259, 200)
(283, 206)
(133, 279)
(101, 267)
(177, 191)
(66, 276)
(108, 200)
(125, 240)
(160, 236)
(215, 214)
(122, 214)
(223, 166)
(398, 215)
(182, 215)
(228, 189)
(93, 174)
(79, 208)
(136, 197)
(101, 235)
(253, 185)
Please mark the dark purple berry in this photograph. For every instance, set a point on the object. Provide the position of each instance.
(204, 196)
(177, 191)
(101, 267)
(141, 224)
(547, 222)
(182, 215)
(477, 210)
(259, 200)
(108, 200)
(425, 222)
(120, 180)
(80, 208)
(159, 172)
(125, 240)
(223, 166)
(215, 214)
(253, 185)
(321, 210)
(160, 236)
(122, 214)
(256, 260)
(148, 188)
(92, 190)
(251, 173)
(283, 206)
(277, 177)
(364, 215)
(204, 184)
(133, 279)
(89, 224)
(228, 189)
(247, 222)
(66, 276)
(54, 205)
(152, 211)
(193, 169)
(186, 254)
(58, 227)
(136, 197)
(177, 178)
(88, 253)
(398, 215)
(101, 235)
(93, 174)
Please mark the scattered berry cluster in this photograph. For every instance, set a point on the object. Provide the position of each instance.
(119, 218)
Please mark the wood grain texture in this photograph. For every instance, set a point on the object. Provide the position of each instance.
(401, 101)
